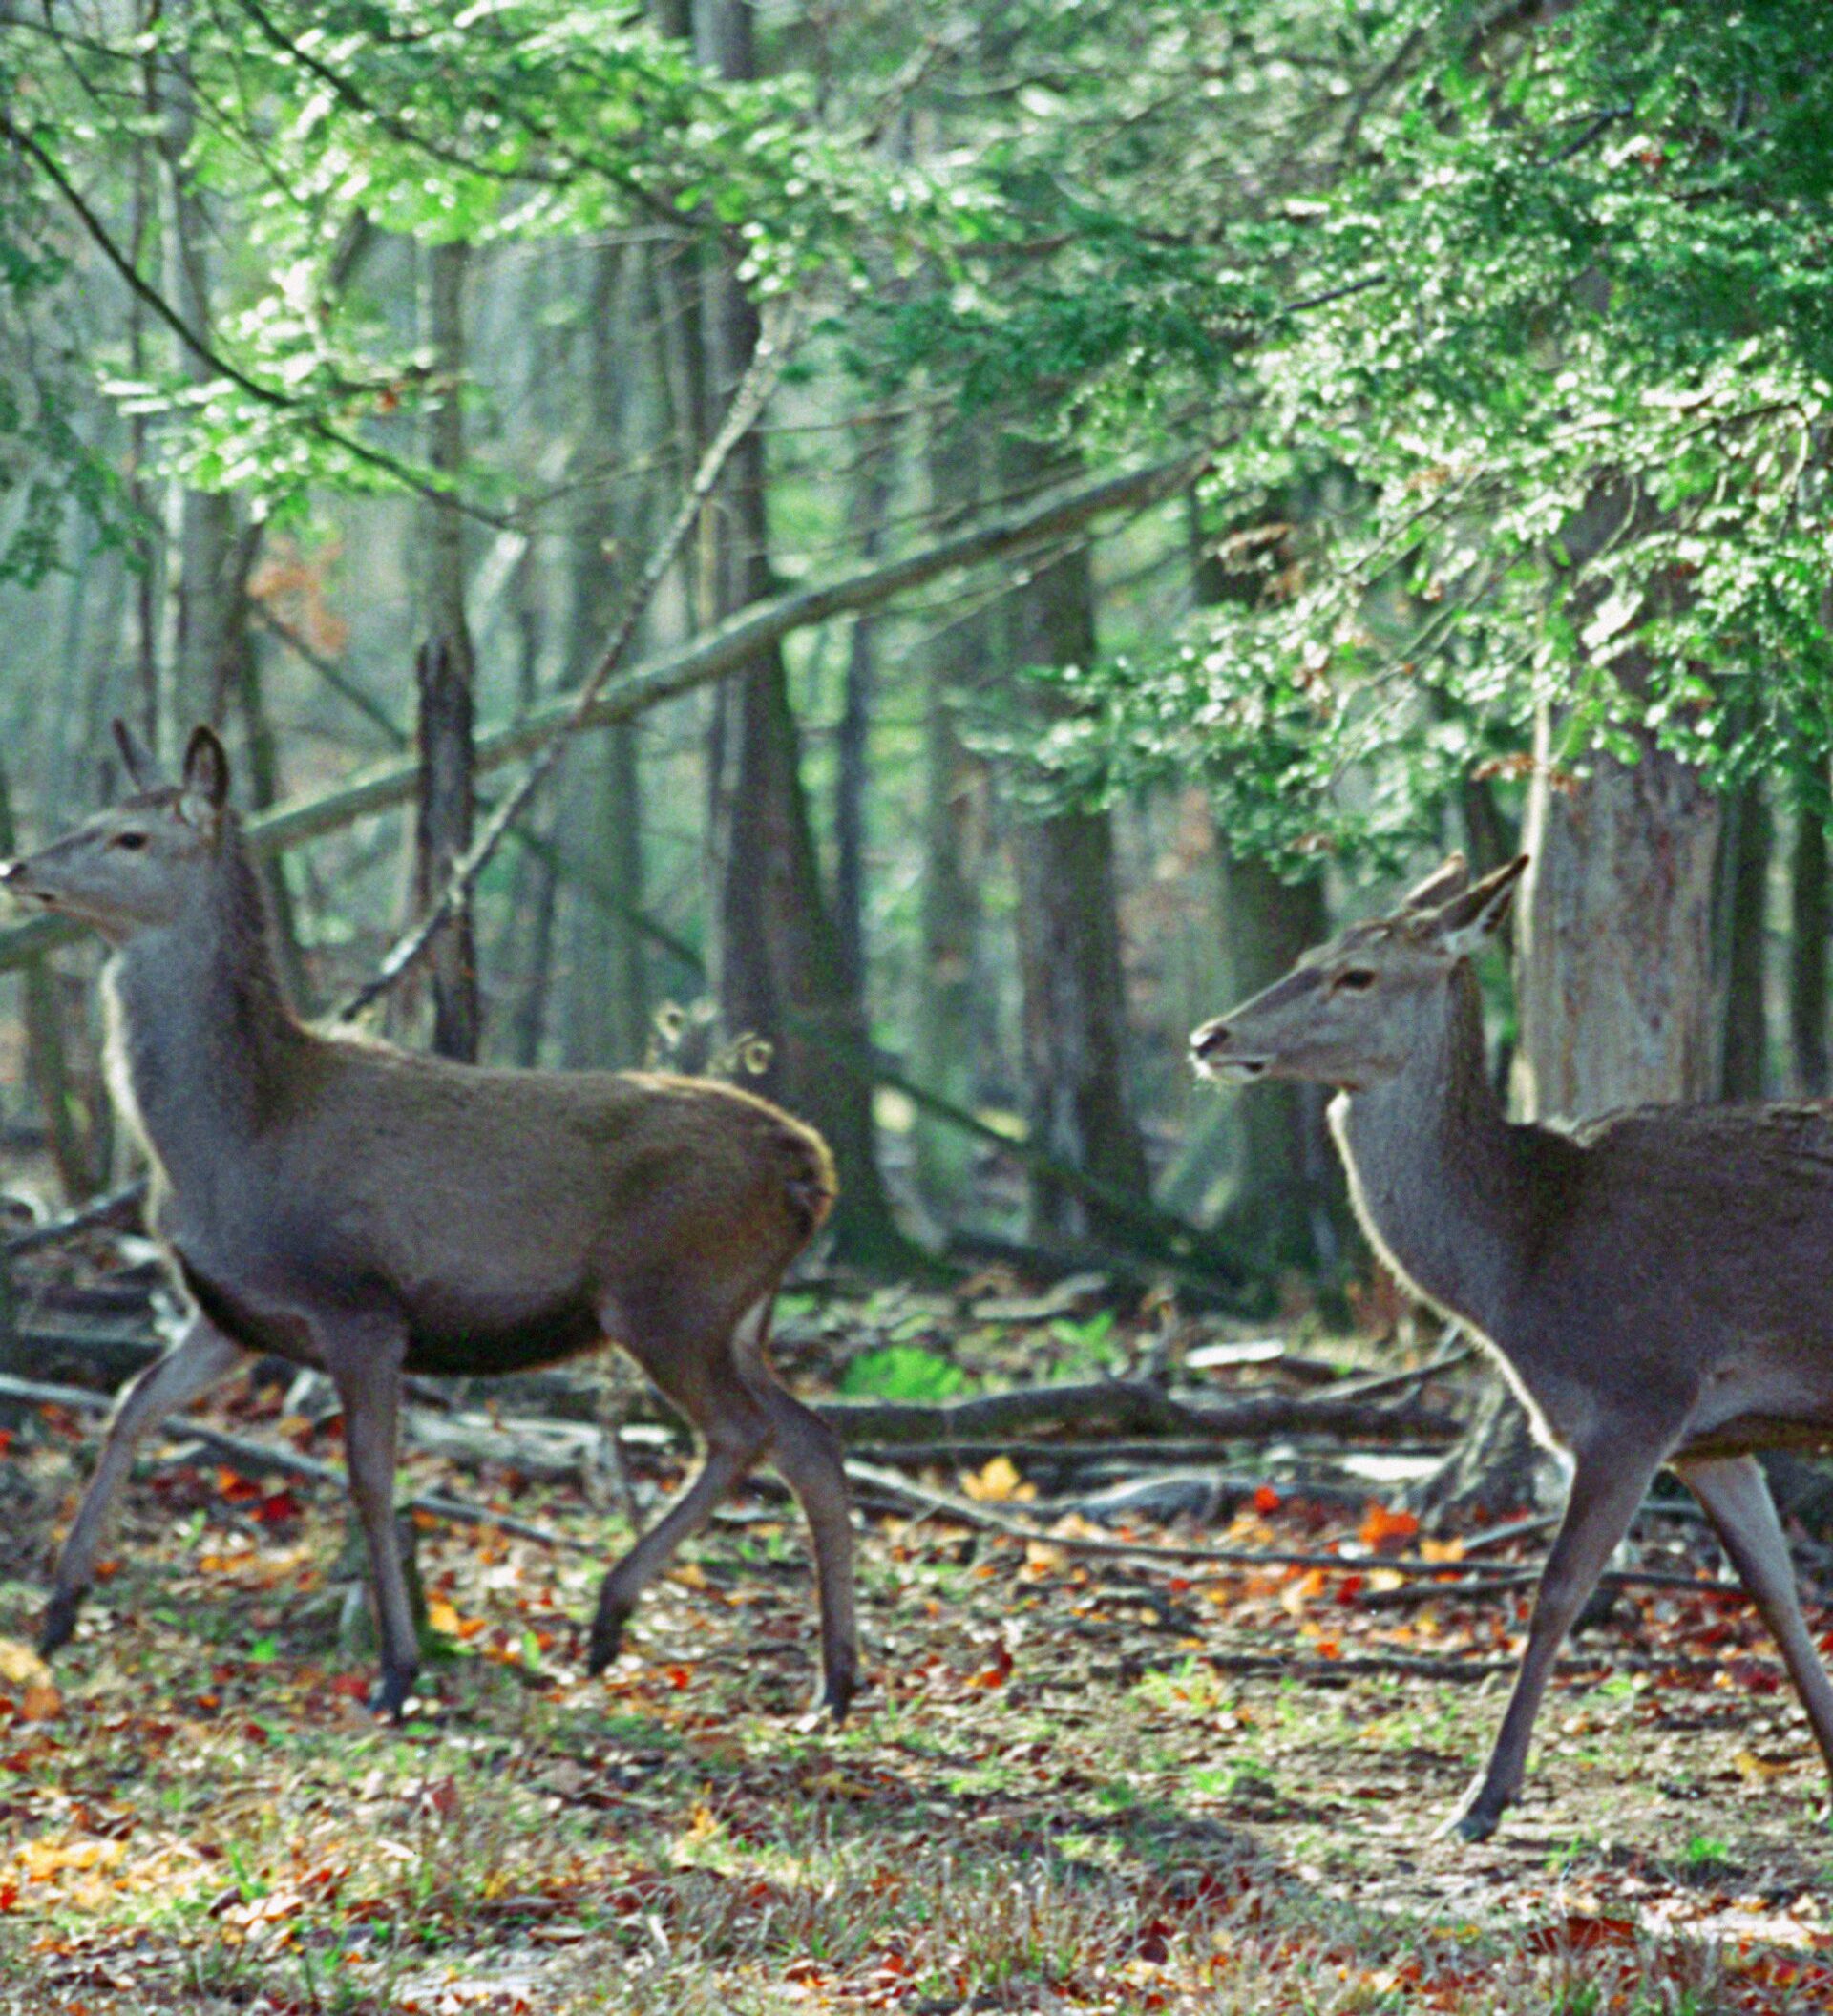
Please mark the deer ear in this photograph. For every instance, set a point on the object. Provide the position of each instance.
(142, 773)
(1450, 878)
(206, 779)
(1468, 923)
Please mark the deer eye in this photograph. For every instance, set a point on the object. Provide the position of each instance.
(1353, 979)
(133, 842)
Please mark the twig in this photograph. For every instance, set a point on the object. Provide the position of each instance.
(105, 1209)
(256, 1459)
(1397, 1381)
(976, 1515)
(768, 360)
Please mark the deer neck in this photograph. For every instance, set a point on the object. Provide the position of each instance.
(1434, 1166)
(204, 1049)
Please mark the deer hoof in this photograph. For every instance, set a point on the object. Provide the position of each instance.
(60, 1621)
(1469, 1823)
(390, 1697)
(836, 1697)
(607, 1640)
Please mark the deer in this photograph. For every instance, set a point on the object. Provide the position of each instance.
(1654, 1284)
(370, 1212)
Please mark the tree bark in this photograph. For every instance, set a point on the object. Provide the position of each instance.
(442, 834)
(1073, 1017)
(853, 754)
(201, 585)
(607, 1011)
(776, 952)
(1290, 1201)
(1811, 917)
(947, 1039)
(1745, 837)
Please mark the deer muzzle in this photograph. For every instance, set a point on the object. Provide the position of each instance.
(1213, 1055)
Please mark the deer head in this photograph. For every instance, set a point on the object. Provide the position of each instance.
(1351, 1011)
(142, 863)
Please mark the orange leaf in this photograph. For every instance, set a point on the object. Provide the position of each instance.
(1381, 1527)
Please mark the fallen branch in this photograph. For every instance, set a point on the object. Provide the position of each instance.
(771, 353)
(969, 1513)
(721, 652)
(1130, 1406)
(255, 1460)
(114, 1207)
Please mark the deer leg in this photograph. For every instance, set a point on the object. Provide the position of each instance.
(368, 1387)
(737, 1435)
(202, 1359)
(1608, 1485)
(807, 1451)
(1736, 1496)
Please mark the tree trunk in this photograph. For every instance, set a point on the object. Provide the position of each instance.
(776, 961)
(1614, 938)
(1745, 872)
(78, 1155)
(1289, 1200)
(1290, 1203)
(1073, 1014)
(1811, 917)
(945, 1041)
(441, 835)
(607, 1010)
(853, 755)
(201, 526)
(442, 524)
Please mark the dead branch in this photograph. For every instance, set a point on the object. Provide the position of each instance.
(257, 1459)
(772, 352)
(968, 1513)
(1125, 1406)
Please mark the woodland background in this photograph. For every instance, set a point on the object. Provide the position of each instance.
(1219, 455)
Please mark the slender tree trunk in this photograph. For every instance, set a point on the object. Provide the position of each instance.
(442, 834)
(201, 588)
(1289, 1200)
(854, 752)
(1811, 919)
(956, 843)
(776, 954)
(442, 524)
(1073, 1019)
(77, 1153)
(607, 1018)
(1746, 839)
(445, 666)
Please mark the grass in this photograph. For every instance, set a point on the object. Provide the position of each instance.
(1048, 1802)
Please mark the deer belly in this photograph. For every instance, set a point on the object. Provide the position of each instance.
(1750, 1406)
(483, 1339)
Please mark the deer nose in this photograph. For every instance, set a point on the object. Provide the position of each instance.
(1209, 1040)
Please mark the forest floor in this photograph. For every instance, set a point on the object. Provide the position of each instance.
(1074, 1783)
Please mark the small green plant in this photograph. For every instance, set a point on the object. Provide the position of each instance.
(1706, 1856)
(901, 1372)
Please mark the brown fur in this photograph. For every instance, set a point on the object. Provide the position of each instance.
(1655, 1284)
(355, 1207)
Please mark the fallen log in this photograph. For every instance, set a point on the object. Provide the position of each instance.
(1126, 1407)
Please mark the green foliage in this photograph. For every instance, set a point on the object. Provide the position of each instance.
(323, 131)
(901, 1372)
(1513, 339)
